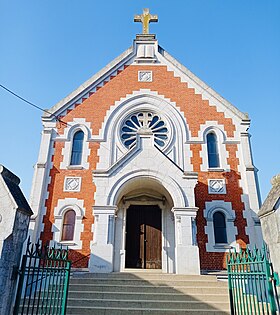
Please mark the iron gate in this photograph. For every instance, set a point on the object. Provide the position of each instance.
(252, 282)
(44, 280)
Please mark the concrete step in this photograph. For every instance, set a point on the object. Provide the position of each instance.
(148, 288)
(159, 296)
(151, 293)
(141, 282)
(141, 311)
(191, 303)
(142, 275)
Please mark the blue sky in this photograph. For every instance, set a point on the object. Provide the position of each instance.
(48, 48)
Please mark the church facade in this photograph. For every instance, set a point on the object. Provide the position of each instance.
(147, 167)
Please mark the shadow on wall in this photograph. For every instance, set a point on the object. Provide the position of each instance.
(146, 293)
(214, 260)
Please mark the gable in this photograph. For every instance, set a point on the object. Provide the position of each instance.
(174, 74)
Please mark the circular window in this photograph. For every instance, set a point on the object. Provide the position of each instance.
(144, 122)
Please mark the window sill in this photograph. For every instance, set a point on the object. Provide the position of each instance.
(75, 167)
(215, 169)
(68, 243)
(224, 246)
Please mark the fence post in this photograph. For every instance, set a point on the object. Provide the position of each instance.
(270, 279)
(230, 285)
(20, 284)
(66, 285)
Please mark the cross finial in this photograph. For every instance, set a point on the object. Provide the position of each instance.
(145, 19)
(145, 119)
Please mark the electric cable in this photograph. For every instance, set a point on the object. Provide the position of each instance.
(32, 104)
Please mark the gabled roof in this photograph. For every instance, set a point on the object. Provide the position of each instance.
(90, 86)
(269, 205)
(117, 65)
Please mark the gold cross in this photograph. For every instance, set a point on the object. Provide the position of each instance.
(145, 19)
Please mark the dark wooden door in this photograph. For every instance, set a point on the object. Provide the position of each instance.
(143, 237)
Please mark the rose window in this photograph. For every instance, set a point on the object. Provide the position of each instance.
(144, 122)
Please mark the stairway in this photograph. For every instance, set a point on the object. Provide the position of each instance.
(141, 293)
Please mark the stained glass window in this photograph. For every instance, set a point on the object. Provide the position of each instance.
(77, 148)
(145, 121)
(220, 229)
(68, 226)
(212, 149)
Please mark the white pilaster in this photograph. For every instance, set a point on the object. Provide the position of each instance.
(101, 259)
(40, 182)
(252, 183)
(251, 197)
(186, 250)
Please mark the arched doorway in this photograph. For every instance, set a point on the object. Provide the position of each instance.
(179, 253)
(143, 237)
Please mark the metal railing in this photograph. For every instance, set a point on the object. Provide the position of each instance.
(44, 280)
(252, 282)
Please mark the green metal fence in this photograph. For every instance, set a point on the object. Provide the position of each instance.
(43, 282)
(252, 282)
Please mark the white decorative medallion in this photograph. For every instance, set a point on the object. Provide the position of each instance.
(145, 76)
(72, 184)
(216, 186)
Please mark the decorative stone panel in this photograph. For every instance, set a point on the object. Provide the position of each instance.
(145, 76)
(216, 186)
(72, 183)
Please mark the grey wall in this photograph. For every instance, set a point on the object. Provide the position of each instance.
(10, 259)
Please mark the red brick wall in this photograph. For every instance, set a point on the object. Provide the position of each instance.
(197, 111)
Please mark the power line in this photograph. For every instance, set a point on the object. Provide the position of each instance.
(32, 104)
(56, 117)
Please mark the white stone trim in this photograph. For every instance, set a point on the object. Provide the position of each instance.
(163, 58)
(226, 208)
(90, 85)
(251, 194)
(41, 179)
(185, 245)
(200, 87)
(103, 229)
(62, 206)
(112, 148)
(74, 126)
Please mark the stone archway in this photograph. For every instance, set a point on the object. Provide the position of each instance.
(151, 205)
(145, 176)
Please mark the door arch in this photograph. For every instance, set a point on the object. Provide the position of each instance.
(145, 192)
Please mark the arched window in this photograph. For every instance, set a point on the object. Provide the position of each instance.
(220, 229)
(212, 149)
(77, 148)
(68, 226)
